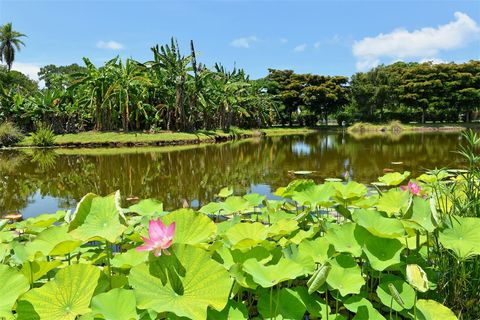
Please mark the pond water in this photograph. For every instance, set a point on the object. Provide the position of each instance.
(43, 181)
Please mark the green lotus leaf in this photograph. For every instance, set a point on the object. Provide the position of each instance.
(235, 204)
(52, 241)
(381, 252)
(185, 283)
(345, 275)
(303, 235)
(367, 202)
(284, 304)
(463, 237)
(421, 213)
(362, 308)
(349, 191)
(225, 192)
(342, 238)
(295, 185)
(37, 269)
(270, 275)
(254, 199)
(63, 298)
(147, 207)
(319, 249)
(232, 311)
(302, 257)
(16, 283)
(406, 293)
(98, 217)
(377, 224)
(190, 227)
(432, 310)
(246, 235)
(129, 258)
(213, 208)
(282, 227)
(315, 195)
(117, 304)
(394, 178)
(316, 306)
(394, 201)
(241, 277)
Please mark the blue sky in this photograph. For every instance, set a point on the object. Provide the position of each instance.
(326, 37)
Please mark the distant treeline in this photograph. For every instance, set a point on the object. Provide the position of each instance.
(175, 92)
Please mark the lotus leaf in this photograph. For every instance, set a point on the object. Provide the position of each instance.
(117, 304)
(246, 235)
(343, 239)
(64, 298)
(129, 258)
(98, 217)
(254, 199)
(362, 308)
(225, 192)
(394, 202)
(16, 283)
(52, 241)
(394, 178)
(270, 275)
(345, 275)
(191, 227)
(315, 195)
(185, 283)
(421, 213)
(147, 207)
(285, 304)
(463, 237)
(406, 293)
(381, 252)
(432, 310)
(377, 224)
(37, 269)
(232, 311)
(349, 191)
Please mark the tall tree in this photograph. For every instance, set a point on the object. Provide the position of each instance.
(9, 42)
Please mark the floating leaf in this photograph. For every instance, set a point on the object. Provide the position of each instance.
(463, 237)
(64, 298)
(185, 283)
(13, 285)
(117, 304)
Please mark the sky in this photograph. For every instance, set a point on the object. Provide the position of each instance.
(323, 37)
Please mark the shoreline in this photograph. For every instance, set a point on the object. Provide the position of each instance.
(96, 139)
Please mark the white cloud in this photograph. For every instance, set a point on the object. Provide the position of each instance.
(300, 48)
(29, 69)
(244, 42)
(433, 60)
(283, 40)
(423, 43)
(111, 45)
(317, 44)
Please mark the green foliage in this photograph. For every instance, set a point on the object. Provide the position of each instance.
(265, 259)
(43, 136)
(9, 134)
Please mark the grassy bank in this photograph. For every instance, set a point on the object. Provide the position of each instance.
(113, 139)
(397, 126)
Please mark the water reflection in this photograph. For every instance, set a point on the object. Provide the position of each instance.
(35, 182)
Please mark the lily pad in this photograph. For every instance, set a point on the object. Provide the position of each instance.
(302, 172)
(394, 178)
(64, 298)
(186, 283)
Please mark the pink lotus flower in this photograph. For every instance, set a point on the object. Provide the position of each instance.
(412, 187)
(161, 238)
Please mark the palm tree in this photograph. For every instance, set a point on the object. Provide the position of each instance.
(9, 40)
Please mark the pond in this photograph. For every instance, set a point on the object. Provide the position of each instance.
(42, 181)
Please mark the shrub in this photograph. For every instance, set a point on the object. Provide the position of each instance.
(9, 134)
(44, 136)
